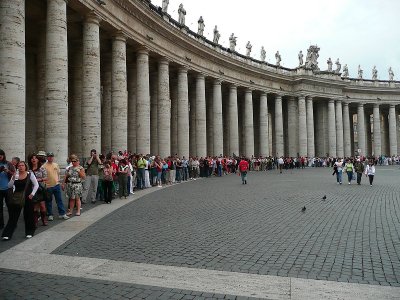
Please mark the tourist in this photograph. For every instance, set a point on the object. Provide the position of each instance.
(339, 170)
(108, 174)
(53, 188)
(359, 169)
(73, 185)
(122, 174)
(243, 169)
(349, 169)
(370, 171)
(7, 169)
(92, 167)
(36, 166)
(24, 185)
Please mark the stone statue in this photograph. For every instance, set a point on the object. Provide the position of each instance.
(300, 56)
(345, 73)
(232, 42)
(374, 73)
(338, 66)
(216, 35)
(200, 31)
(182, 14)
(165, 6)
(278, 58)
(360, 72)
(248, 49)
(391, 74)
(312, 58)
(263, 54)
(329, 62)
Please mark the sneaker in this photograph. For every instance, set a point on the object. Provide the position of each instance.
(50, 218)
(28, 236)
(5, 238)
(349, 182)
(65, 217)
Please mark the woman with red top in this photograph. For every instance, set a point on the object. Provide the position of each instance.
(243, 168)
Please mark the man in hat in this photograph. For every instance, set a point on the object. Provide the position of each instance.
(54, 188)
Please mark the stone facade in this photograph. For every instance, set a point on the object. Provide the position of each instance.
(124, 75)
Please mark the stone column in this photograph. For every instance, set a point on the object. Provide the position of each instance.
(174, 116)
(56, 104)
(279, 127)
(377, 131)
(210, 121)
(31, 103)
(153, 113)
(292, 118)
(346, 131)
(143, 102)
(339, 129)
(192, 118)
(331, 128)
(392, 130)
(201, 129)
(248, 123)
(91, 106)
(164, 109)
(217, 114)
(233, 121)
(12, 77)
(106, 109)
(41, 85)
(132, 81)
(310, 128)
(75, 136)
(183, 113)
(302, 127)
(119, 125)
(361, 128)
(264, 130)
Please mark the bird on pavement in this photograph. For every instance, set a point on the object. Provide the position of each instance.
(324, 197)
(303, 209)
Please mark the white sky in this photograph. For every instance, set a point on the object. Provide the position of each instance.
(365, 32)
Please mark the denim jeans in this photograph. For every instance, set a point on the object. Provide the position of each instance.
(339, 176)
(56, 191)
(185, 173)
(140, 178)
(244, 176)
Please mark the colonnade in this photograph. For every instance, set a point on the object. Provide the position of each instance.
(97, 91)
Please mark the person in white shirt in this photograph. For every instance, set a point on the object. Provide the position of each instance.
(370, 171)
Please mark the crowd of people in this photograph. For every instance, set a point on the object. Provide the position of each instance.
(33, 185)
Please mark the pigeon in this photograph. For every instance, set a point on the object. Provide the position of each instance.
(303, 209)
(324, 197)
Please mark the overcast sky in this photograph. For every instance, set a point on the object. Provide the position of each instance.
(364, 32)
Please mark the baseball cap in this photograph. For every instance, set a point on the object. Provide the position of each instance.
(50, 154)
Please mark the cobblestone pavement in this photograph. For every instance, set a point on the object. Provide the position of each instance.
(43, 286)
(220, 224)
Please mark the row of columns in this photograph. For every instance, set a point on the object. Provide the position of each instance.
(119, 116)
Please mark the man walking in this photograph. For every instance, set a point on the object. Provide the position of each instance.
(92, 177)
(53, 188)
(243, 168)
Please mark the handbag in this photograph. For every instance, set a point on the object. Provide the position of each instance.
(40, 193)
(18, 199)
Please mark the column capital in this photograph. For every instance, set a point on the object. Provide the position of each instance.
(376, 105)
(92, 17)
(309, 98)
(392, 106)
(278, 96)
(331, 100)
(143, 50)
(119, 35)
(232, 86)
(248, 91)
(163, 61)
(183, 69)
(360, 104)
(263, 94)
(217, 81)
(301, 96)
(200, 76)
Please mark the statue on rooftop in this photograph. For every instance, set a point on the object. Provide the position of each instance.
(248, 49)
(300, 56)
(232, 42)
(216, 35)
(182, 14)
(312, 58)
(263, 54)
(345, 73)
(374, 73)
(200, 30)
(391, 74)
(278, 58)
(164, 7)
(338, 66)
(360, 72)
(329, 62)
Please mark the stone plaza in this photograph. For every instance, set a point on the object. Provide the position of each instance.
(216, 238)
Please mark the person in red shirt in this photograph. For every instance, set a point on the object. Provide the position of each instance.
(243, 168)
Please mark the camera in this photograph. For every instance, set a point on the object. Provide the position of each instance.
(2, 168)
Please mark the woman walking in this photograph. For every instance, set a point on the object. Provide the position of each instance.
(24, 185)
(349, 169)
(370, 171)
(73, 182)
(35, 165)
